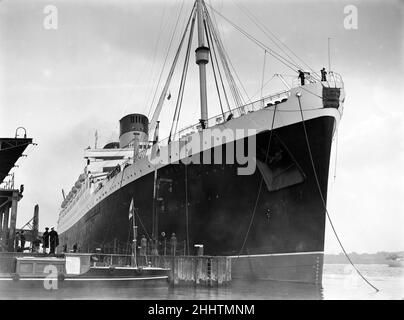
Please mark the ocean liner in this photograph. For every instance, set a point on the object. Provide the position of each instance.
(249, 183)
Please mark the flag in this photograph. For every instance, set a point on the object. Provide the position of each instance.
(131, 207)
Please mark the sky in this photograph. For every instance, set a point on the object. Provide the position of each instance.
(104, 60)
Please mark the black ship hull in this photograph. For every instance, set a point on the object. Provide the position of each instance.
(282, 239)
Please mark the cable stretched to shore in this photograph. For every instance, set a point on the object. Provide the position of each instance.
(323, 201)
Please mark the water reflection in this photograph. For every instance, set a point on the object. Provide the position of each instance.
(243, 289)
(239, 289)
(339, 282)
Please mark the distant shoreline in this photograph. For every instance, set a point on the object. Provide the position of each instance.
(360, 258)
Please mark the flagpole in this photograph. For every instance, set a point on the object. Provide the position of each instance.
(134, 227)
(134, 237)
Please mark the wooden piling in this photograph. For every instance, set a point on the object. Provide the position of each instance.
(199, 270)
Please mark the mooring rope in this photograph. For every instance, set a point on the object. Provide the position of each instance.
(323, 201)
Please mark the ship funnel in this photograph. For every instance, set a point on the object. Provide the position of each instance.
(134, 131)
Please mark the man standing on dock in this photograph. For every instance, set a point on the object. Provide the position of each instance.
(45, 240)
(54, 240)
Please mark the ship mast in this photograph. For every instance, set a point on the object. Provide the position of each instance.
(202, 58)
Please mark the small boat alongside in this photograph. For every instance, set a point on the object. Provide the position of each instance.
(395, 261)
(76, 270)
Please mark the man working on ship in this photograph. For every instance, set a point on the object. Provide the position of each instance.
(54, 240)
(323, 75)
(301, 76)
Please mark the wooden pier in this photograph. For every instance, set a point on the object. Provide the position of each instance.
(198, 270)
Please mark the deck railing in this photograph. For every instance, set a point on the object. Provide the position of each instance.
(333, 78)
(275, 98)
(269, 100)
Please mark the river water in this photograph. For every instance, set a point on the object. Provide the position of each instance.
(340, 281)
